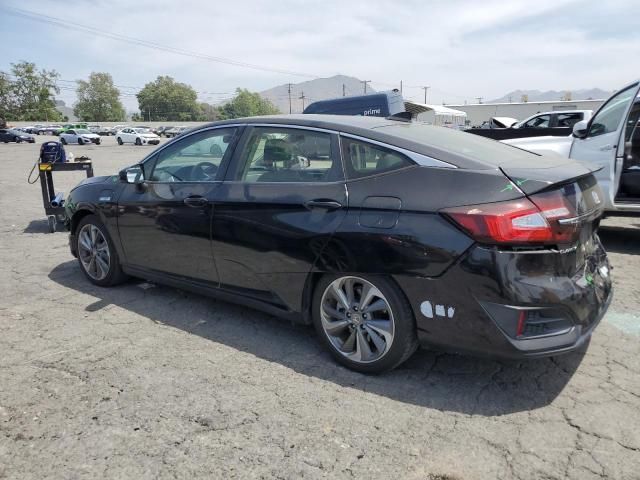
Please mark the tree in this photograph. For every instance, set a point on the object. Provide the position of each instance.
(29, 94)
(168, 100)
(247, 104)
(98, 99)
(209, 113)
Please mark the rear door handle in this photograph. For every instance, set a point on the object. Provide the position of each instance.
(195, 201)
(326, 204)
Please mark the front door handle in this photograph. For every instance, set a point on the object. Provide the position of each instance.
(606, 148)
(195, 201)
(326, 204)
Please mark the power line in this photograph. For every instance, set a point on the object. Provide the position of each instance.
(143, 43)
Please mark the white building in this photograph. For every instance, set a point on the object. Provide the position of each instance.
(479, 112)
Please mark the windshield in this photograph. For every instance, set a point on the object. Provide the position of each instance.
(82, 131)
(142, 130)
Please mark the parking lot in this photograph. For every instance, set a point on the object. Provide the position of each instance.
(145, 381)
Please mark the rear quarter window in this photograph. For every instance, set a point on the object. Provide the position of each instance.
(363, 159)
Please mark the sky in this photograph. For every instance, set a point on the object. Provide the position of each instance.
(462, 49)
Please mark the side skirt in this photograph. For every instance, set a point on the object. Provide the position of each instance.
(212, 290)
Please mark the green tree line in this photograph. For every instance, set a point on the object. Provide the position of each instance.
(28, 94)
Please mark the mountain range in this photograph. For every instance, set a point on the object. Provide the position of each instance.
(552, 95)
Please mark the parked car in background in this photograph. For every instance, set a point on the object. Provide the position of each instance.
(163, 129)
(13, 135)
(137, 136)
(175, 131)
(609, 142)
(105, 131)
(94, 128)
(49, 130)
(557, 119)
(80, 136)
(383, 234)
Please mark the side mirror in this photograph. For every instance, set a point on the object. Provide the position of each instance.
(580, 129)
(132, 175)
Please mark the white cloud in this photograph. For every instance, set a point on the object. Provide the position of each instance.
(461, 48)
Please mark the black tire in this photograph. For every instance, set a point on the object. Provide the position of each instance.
(17, 139)
(80, 141)
(405, 341)
(119, 141)
(63, 141)
(138, 141)
(115, 275)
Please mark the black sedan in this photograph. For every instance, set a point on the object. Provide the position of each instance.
(384, 234)
(10, 135)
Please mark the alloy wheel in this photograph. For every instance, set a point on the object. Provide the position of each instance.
(357, 319)
(93, 251)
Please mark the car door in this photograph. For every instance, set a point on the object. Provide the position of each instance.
(601, 145)
(164, 223)
(283, 198)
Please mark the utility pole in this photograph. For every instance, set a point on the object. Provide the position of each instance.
(365, 84)
(400, 86)
(302, 97)
(289, 91)
(344, 90)
(479, 99)
(148, 114)
(510, 97)
(426, 89)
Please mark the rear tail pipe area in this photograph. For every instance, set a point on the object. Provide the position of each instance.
(58, 200)
(533, 328)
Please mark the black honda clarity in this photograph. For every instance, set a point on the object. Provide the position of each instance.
(384, 234)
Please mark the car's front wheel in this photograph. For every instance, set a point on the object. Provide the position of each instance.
(365, 321)
(63, 141)
(119, 141)
(80, 141)
(97, 255)
(138, 141)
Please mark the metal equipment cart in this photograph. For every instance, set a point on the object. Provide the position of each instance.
(55, 211)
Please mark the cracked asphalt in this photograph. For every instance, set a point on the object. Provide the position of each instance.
(144, 381)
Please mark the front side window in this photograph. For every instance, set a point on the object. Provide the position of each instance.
(195, 158)
(569, 119)
(363, 159)
(541, 121)
(288, 155)
(608, 118)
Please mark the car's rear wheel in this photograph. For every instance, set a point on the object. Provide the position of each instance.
(97, 255)
(119, 141)
(138, 141)
(365, 321)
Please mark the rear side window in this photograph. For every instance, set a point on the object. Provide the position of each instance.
(289, 155)
(569, 119)
(363, 159)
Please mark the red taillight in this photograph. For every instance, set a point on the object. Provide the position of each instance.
(521, 221)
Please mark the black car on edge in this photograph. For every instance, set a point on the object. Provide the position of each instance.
(11, 135)
(384, 234)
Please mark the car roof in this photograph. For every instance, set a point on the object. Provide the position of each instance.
(464, 150)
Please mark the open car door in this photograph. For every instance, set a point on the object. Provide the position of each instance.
(603, 143)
